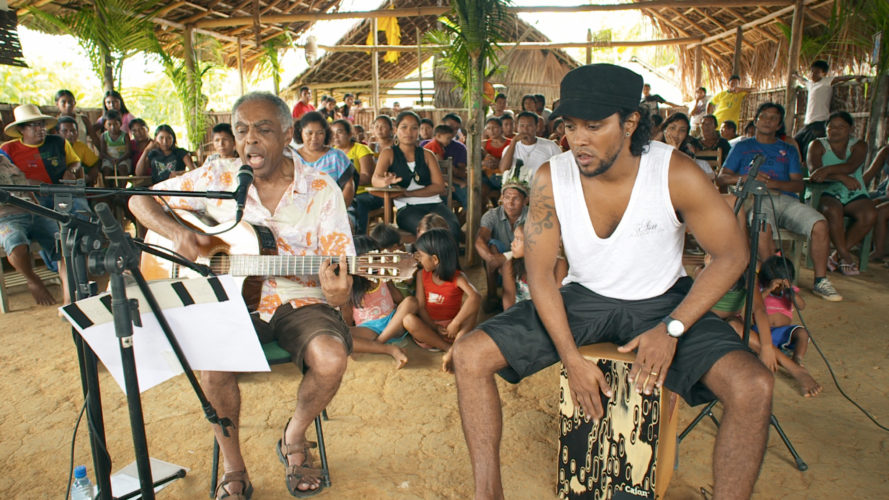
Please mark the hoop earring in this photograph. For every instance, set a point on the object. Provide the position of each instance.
(627, 134)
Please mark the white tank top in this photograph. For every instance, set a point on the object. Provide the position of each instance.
(643, 256)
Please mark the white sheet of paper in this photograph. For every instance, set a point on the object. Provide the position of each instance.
(215, 336)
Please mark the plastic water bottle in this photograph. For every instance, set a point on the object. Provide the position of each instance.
(82, 488)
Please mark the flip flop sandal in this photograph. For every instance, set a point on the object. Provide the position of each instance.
(832, 263)
(234, 477)
(294, 475)
(849, 269)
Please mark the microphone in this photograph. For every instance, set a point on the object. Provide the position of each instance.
(752, 172)
(245, 178)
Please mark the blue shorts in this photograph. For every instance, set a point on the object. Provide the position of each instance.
(781, 337)
(22, 229)
(379, 324)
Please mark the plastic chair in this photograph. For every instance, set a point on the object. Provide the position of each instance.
(276, 355)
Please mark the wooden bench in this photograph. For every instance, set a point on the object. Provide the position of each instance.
(15, 279)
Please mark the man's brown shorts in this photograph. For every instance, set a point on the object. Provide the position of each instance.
(293, 329)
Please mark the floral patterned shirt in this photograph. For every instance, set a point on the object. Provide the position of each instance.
(310, 219)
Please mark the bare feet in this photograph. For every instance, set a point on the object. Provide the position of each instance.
(447, 363)
(398, 355)
(40, 293)
(808, 386)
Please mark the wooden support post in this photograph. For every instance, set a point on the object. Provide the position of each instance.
(796, 39)
(240, 66)
(419, 64)
(188, 49)
(375, 62)
(589, 47)
(257, 30)
(736, 62)
(698, 73)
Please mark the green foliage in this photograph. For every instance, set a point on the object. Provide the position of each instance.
(271, 58)
(473, 40)
(38, 83)
(109, 31)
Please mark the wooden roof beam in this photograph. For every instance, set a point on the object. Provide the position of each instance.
(752, 24)
(762, 32)
(437, 11)
(696, 25)
(680, 31)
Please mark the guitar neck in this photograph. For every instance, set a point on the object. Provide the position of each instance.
(284, 265)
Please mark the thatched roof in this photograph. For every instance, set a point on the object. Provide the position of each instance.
(766, 40)
(10, 47)
(174, 15)
(543, 66)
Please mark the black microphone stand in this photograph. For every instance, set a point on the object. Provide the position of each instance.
(758, 223)
(81, 237)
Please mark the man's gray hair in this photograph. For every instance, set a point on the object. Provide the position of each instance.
(284, 115)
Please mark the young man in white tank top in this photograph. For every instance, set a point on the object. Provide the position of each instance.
(619, 203)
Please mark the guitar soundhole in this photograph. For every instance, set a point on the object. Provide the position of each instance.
(220, 263)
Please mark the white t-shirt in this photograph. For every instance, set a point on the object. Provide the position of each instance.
(532, 156)
(414, 200)
(818, 102)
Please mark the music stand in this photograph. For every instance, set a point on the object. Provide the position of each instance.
(759, 191)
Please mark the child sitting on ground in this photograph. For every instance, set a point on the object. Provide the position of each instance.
(447, 303)
(515, 278)
(731, 308)
(775, 277)
(114, 146)
(431, 221)
(373, 310)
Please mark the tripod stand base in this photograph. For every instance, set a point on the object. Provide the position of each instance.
(125, 482)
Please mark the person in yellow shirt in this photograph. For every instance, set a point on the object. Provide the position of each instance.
(726, 105)
(68, 129)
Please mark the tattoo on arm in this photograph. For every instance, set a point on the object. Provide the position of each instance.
(542, 212)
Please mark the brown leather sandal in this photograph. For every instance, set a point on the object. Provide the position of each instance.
(294, 475)
(240, 476)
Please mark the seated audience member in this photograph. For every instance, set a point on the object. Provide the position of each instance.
(749, 131)
(726, 105)
(454, 121)
(361, 134)
(43, 158)
(515, 276)
(68, 129)
(676, 128)
(343, 138)
(163, 159)
(526, 147)
(508, 122)
(431, 221)
(18, 228)
(728, 131)
(879, 172)
(66, 103)
(113, 100)
(387, 237)
(445, 147)
(838, 160)
(698, 108)
(416, 170)
(529, 103)
(141, 139)
(296, 311)
(347, 111)
(496, 232)
(498, 107)
(782, 173)
(302, 105)
(493, 148)
(313, 133)
(114, 147)
(446, 301)
(710, 139)
(819, 88)
(652, 101)
(657, 128)
(223, 142)
(427, 128)
(558, 132)
(383, 134)
(541, 109)
(375, 312)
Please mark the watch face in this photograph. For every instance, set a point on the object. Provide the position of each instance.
(675, 328)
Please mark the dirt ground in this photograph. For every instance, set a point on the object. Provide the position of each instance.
(396, 434)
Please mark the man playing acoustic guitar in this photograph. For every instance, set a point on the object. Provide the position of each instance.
(305, 211)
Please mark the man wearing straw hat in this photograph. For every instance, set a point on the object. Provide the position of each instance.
(619, 204)
(43, 158)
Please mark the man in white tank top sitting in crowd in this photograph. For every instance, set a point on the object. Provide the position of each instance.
(619, 203)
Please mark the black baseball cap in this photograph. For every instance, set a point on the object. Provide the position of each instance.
(597, 91)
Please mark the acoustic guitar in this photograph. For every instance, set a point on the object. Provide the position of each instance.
(249, 253)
